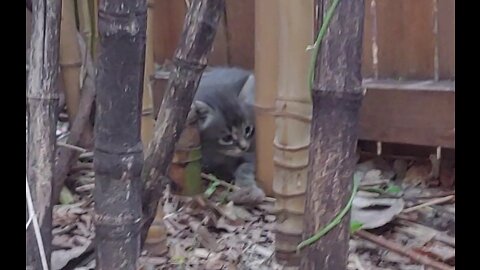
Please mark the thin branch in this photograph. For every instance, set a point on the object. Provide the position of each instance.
(379, 240)
(36, 226)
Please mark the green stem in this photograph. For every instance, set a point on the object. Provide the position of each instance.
(334, 222)
(320, 36)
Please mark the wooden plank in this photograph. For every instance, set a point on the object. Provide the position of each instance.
(368, 33)
(389, 37)
(219, 54)
(418, 49)
(240, 17)
(446, 38)
(406, 40)
(419, 117)
(169, 18)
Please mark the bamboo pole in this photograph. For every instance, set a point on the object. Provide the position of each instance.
(118, 148)
(266, 75)
(42, 97)
(292, 134)
(337, 96)
(147, 103)
(67, 157)
(190, 60)
(85, 22)
(156, 240)
(70, 58)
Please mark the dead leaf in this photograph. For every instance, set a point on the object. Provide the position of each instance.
(60, 258)
(418, 174)
(375, 212)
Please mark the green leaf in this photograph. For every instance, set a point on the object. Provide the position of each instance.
(211, 188)
(355, 226)
(393, 189)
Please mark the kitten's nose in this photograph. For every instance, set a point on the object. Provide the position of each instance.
(243, 145)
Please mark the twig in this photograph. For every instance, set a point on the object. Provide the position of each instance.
(36, 227)
(426, 197)
(379, 240)
(73, 147)
(233, 187)
(429, 203)
(67, 157)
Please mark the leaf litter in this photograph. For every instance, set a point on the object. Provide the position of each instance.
(212, 235)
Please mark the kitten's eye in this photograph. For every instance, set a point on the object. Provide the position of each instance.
(226, 140)
(249, 131)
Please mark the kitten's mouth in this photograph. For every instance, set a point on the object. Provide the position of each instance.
(233, 152)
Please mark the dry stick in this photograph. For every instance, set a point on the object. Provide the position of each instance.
(429, 203)
(73, 147)
(425, 197)
(190, 59)
(42, 100)
(228, 185)
(379, 240)
(66, 156)
(36, 227)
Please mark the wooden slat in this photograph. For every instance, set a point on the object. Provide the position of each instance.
(241, 27)
(411, 116)
(367, 58)
(406, 40)
(169, 18)
(219, 54)
(446, 38)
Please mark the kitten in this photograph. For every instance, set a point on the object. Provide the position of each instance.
(223, 106)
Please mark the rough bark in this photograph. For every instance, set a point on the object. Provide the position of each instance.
(66, 156)
(190, 59)
(337, 97)
(118, 153)
(42, 96)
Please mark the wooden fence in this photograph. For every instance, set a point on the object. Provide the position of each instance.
(408, 63)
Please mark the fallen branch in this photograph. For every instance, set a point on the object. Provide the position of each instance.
(67, 156)
(426, 197)
(429, 203)
(379, 240)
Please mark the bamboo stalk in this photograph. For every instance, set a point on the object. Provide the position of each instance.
(95, 36)
(147, 103)
(118, 148)
(336, 97)
(70, 58)
(42, 97)
(190, 60)
(266, 75)
(292, 134)
(85, 22)
(68, 157)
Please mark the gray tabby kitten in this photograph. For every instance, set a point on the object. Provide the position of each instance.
(223, 106)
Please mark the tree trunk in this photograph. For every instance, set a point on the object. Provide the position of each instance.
(292, 134)
(118, 154)
(42, 96)
(190, 59)
(337, 97)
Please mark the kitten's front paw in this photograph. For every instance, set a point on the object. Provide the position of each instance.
(250, 195)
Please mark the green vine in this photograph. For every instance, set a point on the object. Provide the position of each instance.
(356, 182)
(320, 36)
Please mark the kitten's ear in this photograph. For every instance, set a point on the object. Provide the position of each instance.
(200, 111)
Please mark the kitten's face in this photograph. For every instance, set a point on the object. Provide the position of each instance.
(229, 133)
